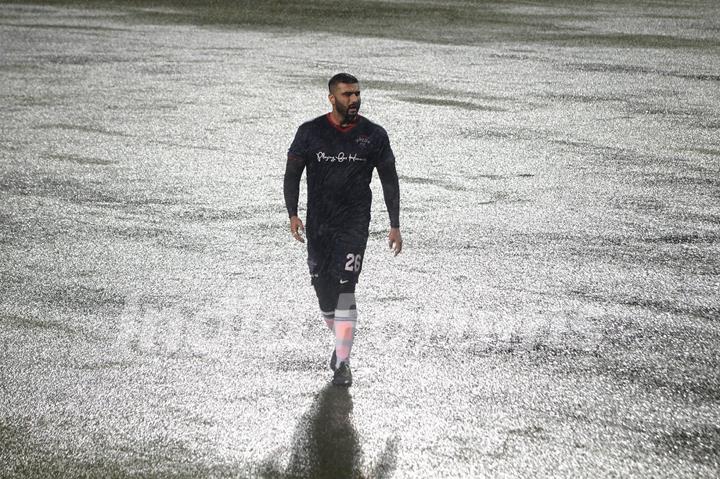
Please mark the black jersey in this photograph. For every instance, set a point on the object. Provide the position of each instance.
(339, 163)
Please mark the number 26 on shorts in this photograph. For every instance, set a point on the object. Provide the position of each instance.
(354, 261)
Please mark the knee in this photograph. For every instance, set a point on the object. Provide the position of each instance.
(326, 293)
(346, 296)
(346, 288)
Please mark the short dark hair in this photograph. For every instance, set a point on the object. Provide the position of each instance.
(341, 78)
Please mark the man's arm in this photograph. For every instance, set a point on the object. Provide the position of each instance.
(291, 190)
(391, 193)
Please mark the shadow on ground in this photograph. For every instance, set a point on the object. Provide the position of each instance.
(325, 444)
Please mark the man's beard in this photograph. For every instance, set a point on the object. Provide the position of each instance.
(350, 117)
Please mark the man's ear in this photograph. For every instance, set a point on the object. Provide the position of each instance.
(331, 98)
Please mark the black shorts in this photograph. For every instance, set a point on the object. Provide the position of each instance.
(337, 255)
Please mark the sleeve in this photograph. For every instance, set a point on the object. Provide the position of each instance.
(385, 165)
(299, 148)
(384, 152)
(293, 172)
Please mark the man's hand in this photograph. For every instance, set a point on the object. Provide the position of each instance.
(395, 240)
(297, 229)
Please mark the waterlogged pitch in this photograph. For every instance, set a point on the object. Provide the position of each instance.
(555, 310)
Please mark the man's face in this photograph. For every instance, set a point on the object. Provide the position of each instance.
(345, 99)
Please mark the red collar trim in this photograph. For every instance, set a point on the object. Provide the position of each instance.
(343, 129)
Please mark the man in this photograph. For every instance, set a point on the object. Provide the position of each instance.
(340, 151)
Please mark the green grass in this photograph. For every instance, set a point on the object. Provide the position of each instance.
(451, 22)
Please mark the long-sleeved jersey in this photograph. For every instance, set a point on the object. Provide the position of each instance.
(339, 164)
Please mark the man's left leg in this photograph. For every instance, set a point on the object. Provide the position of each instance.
(350, 258)
(345, 322)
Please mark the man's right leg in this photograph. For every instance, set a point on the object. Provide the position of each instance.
(318, 259)
(327, 294)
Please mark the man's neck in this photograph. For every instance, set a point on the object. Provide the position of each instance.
(340, 120)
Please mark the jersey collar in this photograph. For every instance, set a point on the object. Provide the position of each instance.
(343, 129)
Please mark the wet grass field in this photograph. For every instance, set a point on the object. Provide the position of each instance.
(555, 311)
